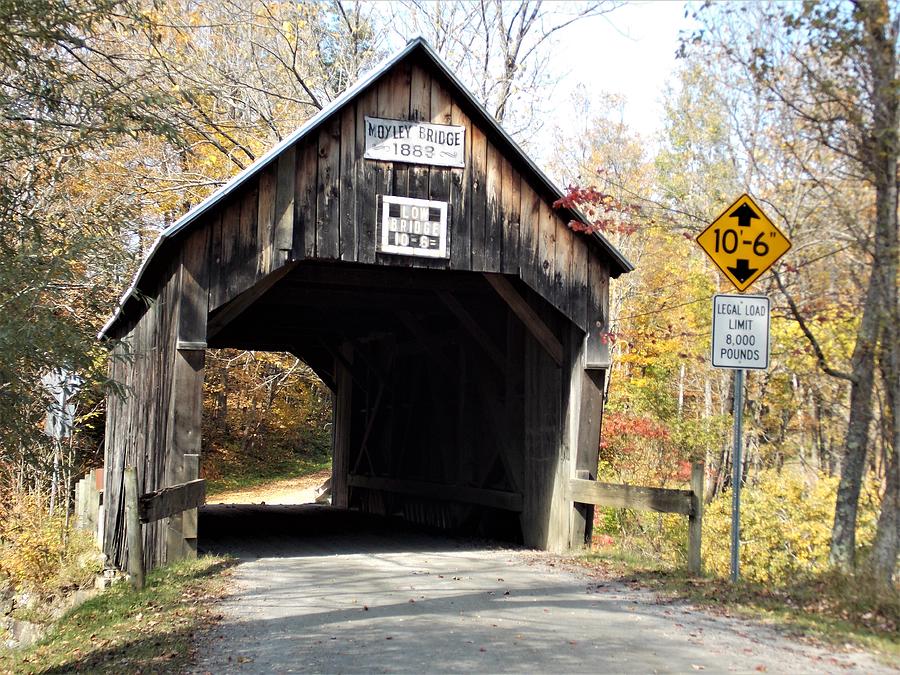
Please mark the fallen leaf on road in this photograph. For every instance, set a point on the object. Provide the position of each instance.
(697, 667)
(761, 668)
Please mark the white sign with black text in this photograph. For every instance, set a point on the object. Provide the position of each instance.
(740, 332)
(413, 227)
(415, 142)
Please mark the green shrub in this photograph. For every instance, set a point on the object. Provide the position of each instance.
(786, 520)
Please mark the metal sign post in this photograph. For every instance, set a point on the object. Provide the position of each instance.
(740, 341)
(736, 462)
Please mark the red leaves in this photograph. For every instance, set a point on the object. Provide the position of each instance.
(605, 212)
(608, 338)
(618, 424)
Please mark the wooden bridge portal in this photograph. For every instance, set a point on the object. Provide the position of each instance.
(403, 246)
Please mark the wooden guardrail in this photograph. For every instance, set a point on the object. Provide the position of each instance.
(150, 507)
(664, 500)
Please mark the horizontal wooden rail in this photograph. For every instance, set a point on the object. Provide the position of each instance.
(498, 499)
(171, 500)
(663, 500)
(617, 496)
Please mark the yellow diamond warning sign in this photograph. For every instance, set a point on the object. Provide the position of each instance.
(743, 242)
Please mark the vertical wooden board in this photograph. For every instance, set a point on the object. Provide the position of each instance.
(183, 376)
(112, 450)
(512, 205)
(570, 521)
(305, 212)
(285, 197)
(460, 206)
(580, 253)
(328, 213)
(194, 303)
(591, 405)
(597, 350)
(419, 110)
(494, 216)
(391, 105)
(265, 223)
(341, 429)
(244, 275)
(439, 177)
(478, 199)
(397, 108)
(514, 395)
(546, 251)
(562, 266)
(348, 184)
(543, 427)
(367, 185)
(529, 235)
(230, 258)
(216, 277)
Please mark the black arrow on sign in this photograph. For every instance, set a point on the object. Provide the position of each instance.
(742, 271)
(744, 214)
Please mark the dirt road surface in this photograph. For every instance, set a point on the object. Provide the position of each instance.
(319, 590)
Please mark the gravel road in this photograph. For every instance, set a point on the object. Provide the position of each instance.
(319, 590)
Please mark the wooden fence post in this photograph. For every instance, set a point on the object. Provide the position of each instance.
(79, 505)
(695, 520)
(93, 513)
(133, 529)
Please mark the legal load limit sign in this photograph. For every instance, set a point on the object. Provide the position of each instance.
(740, 336)
(743, 242)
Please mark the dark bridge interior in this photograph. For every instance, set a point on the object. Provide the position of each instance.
(427, 368)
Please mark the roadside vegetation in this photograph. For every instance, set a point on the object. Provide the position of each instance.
(124, 630)
(785, 576)
(833, 608)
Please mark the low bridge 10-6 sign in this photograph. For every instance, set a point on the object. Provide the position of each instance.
(743, 243)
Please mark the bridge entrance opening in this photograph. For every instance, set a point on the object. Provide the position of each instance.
(422, 374)
(267, 421)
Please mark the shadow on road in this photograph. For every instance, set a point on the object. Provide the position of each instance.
(250, 531)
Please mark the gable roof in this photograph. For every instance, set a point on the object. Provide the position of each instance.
(546, 187)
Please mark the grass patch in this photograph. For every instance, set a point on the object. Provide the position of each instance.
(831, 608)
(124, 630)
(250, 472)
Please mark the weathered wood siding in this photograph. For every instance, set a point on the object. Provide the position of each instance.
(138, 426)
(159, 369)
(319, 202)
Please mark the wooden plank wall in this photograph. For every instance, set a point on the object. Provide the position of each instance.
(137, 427)
(158, 424)
(498, 222)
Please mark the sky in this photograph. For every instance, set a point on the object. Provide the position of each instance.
(630, 51)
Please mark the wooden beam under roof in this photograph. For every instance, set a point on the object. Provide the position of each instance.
(519, 305)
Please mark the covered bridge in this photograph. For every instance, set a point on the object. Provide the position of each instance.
(403, 246)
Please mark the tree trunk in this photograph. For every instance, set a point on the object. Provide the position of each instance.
(881, 147)
(843, 533)
(887, 536)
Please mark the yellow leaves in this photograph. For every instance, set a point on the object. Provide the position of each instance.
(38, 554)
(785, 526)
